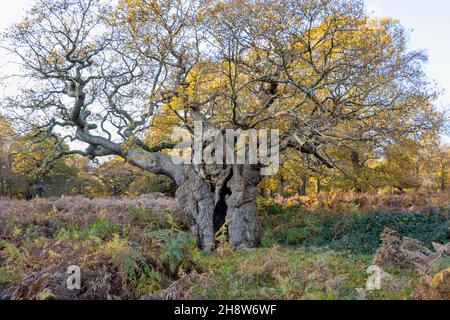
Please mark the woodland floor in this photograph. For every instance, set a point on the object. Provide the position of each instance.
(312, 248)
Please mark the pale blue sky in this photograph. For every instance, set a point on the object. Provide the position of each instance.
(428, 21)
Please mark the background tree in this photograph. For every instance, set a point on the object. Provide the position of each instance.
(121, 178)
(6, 139)
(86, 181)
(38, 169)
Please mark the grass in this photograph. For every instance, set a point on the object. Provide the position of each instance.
(287, 273)
(137, 252)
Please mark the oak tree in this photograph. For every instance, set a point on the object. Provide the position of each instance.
(321, 72)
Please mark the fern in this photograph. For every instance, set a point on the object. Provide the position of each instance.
(138, 275)
(14, 270)
(221, 237)
(172, 223)
(45, 294)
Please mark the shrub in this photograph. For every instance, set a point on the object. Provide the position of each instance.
(353, 230)
(270, 206)
(362, 234)
(15, 263)
(268, 239)
(98, 230)
(102, 228)
(293, 236)
(137, 273)
(440, 264)
(179, 249)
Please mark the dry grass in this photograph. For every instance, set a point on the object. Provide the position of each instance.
(107, 237)
(371, 201)
(397, 251)
(82, 205)
(81, 211)
(124, 252)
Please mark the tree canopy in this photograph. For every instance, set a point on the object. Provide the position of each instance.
(118, 79)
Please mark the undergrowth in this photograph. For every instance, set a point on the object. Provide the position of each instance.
(309, 251)
(347, 228)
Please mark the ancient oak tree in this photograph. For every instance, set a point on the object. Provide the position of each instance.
(117, 79)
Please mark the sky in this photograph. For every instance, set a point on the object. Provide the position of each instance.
(429, 26)
(427, 21)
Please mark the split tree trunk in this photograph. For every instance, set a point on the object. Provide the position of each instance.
(211, 196)
(244, 228)
(208, 207)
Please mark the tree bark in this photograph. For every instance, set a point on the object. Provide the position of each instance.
(244, 228)
(197, 202)
(209, 196)
(357, 167)
(319, 185)
(303, 186)
(443, 180)
(208, 207)
(280, 186)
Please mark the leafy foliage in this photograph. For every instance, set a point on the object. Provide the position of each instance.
(351, 229)
(179, 249)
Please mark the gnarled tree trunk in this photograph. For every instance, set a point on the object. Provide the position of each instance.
(233, 202)
(244, 228)
(197, 202)
(209, 195)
